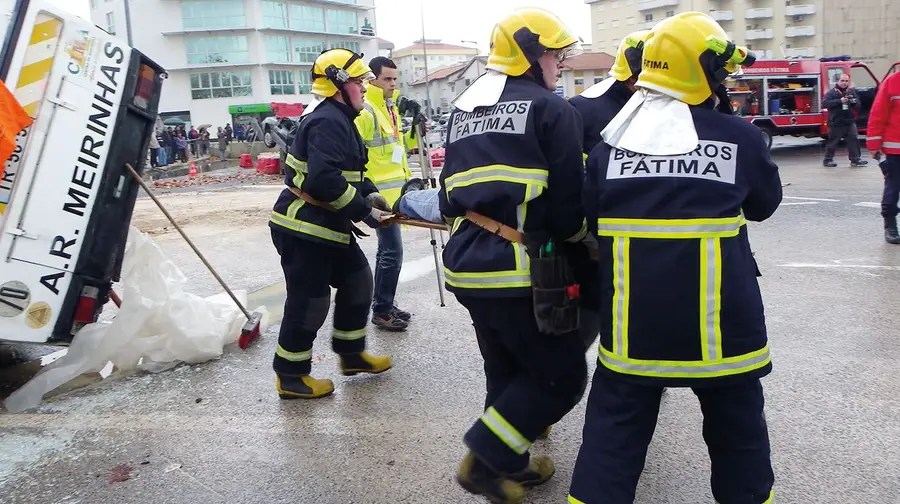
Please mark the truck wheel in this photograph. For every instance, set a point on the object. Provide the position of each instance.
(767, 136)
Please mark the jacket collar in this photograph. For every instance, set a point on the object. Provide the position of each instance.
(347, 110)
(375, 95)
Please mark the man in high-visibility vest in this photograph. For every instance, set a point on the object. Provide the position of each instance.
(380, 127)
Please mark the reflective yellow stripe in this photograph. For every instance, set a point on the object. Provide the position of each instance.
(391, 184)
(710, 298)
(621, 293)
(523, 262)
(293, 356)
(505, 431)
(584, 158)
(354, 176)
(489, 280)
(294, 207)
(309, 228)
(770, 500)
(573, 500)
(497, 173)
(686, 369)
(299, 167)
(671, 228)
(456, 223)
(380, 141)
(349, 335)
(345, 198)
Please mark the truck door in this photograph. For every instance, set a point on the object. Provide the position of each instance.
(866, 85)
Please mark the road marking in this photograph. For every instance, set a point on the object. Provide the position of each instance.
(867, 204)
(800, 203)
(833, 266)
(811, 199)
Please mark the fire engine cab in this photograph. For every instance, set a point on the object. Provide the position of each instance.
(784, 97)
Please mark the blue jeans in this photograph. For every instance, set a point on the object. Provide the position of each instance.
(421, 205)
(388, 261)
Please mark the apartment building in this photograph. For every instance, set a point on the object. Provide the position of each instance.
(445, 84)
(228, 59)
(411, 60)
(774, 29)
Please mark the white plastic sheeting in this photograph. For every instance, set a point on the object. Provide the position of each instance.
(158, 326)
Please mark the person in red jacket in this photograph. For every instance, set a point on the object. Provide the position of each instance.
(883, 139)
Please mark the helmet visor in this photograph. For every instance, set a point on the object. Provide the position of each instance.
(567, 52)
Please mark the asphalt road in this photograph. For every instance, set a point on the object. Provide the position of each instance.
(216, 432)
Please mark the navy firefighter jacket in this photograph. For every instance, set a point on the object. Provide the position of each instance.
(327, 160)
(680, 299)
(597, 112)
(518, 162)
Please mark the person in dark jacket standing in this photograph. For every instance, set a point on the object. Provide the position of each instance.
(669, 192)
(312, 229)
(601, 102)
(842, 103)
(513, 171)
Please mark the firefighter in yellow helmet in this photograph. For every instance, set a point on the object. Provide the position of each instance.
(312, 229)
(511, 189)
(601, 102)
(668, 193)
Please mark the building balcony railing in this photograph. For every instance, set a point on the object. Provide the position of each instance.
(359, 34)
(648, 25)
(644, 5)
(800, 10)
(759, 34)
(722, 15)
(800, 31)
(762, 13)
(354, 4)
(209, 31)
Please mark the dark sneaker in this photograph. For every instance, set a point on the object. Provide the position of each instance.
(829, 163)
(859, 162)
(413, 184)
(400, 314)
(389, 322)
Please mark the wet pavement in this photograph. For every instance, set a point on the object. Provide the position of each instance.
(216, 432)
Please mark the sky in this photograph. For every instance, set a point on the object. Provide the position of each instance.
(453, 21)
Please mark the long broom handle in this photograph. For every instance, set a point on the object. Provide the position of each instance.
(188, 240)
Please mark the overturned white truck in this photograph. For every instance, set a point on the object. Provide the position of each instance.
(66, 197)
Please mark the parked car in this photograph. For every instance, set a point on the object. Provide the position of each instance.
(281, 126)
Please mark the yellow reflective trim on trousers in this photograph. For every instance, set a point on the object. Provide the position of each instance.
(671, 228)
(293, 356)
(497, 173)
(573, 500)
(349, 335)
(505, 431)
(488, 280)
(711, 298)
(344, 199)
(770, 500)
(621, 290)
(686, 369)
(309, 228)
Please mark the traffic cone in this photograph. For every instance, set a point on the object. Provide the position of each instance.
(193, 172)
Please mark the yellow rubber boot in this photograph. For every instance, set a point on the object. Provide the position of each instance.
(546, 433)
(539, 470)
(476, 478)
(364, 362)
(302, 387)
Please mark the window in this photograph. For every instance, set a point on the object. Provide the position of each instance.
(629, 20)
(217, 50)
(598, 80)
(648, 17)
(220, 85)
(614, 23)
(278, 49)
(342, 21)
(304, 17)
(111, 23)
(212, 14)
(600, 25)
(274, 14)
(353, 46)
(305, 82)
(281, 82)
(307, 50)
(670, 13)
(93, 4)
(579, 81)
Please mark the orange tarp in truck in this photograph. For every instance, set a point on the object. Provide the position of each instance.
(13, 119)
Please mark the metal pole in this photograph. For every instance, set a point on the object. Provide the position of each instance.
(128, 22)
(425, 163)
(428, 106)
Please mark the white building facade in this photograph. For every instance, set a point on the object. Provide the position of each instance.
(228, 59)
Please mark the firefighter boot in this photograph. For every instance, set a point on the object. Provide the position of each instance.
(477, 478)
(890, 231)
(546, 433)
(302, 387)
(539, 470)
(364, 362)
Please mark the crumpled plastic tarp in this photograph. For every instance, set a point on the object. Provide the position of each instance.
(158, 326)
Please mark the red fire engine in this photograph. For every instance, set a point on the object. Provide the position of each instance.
(784, 97)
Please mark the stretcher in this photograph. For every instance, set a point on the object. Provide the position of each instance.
(402, 219)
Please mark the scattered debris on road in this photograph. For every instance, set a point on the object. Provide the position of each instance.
(120, 473)
(206, 179)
